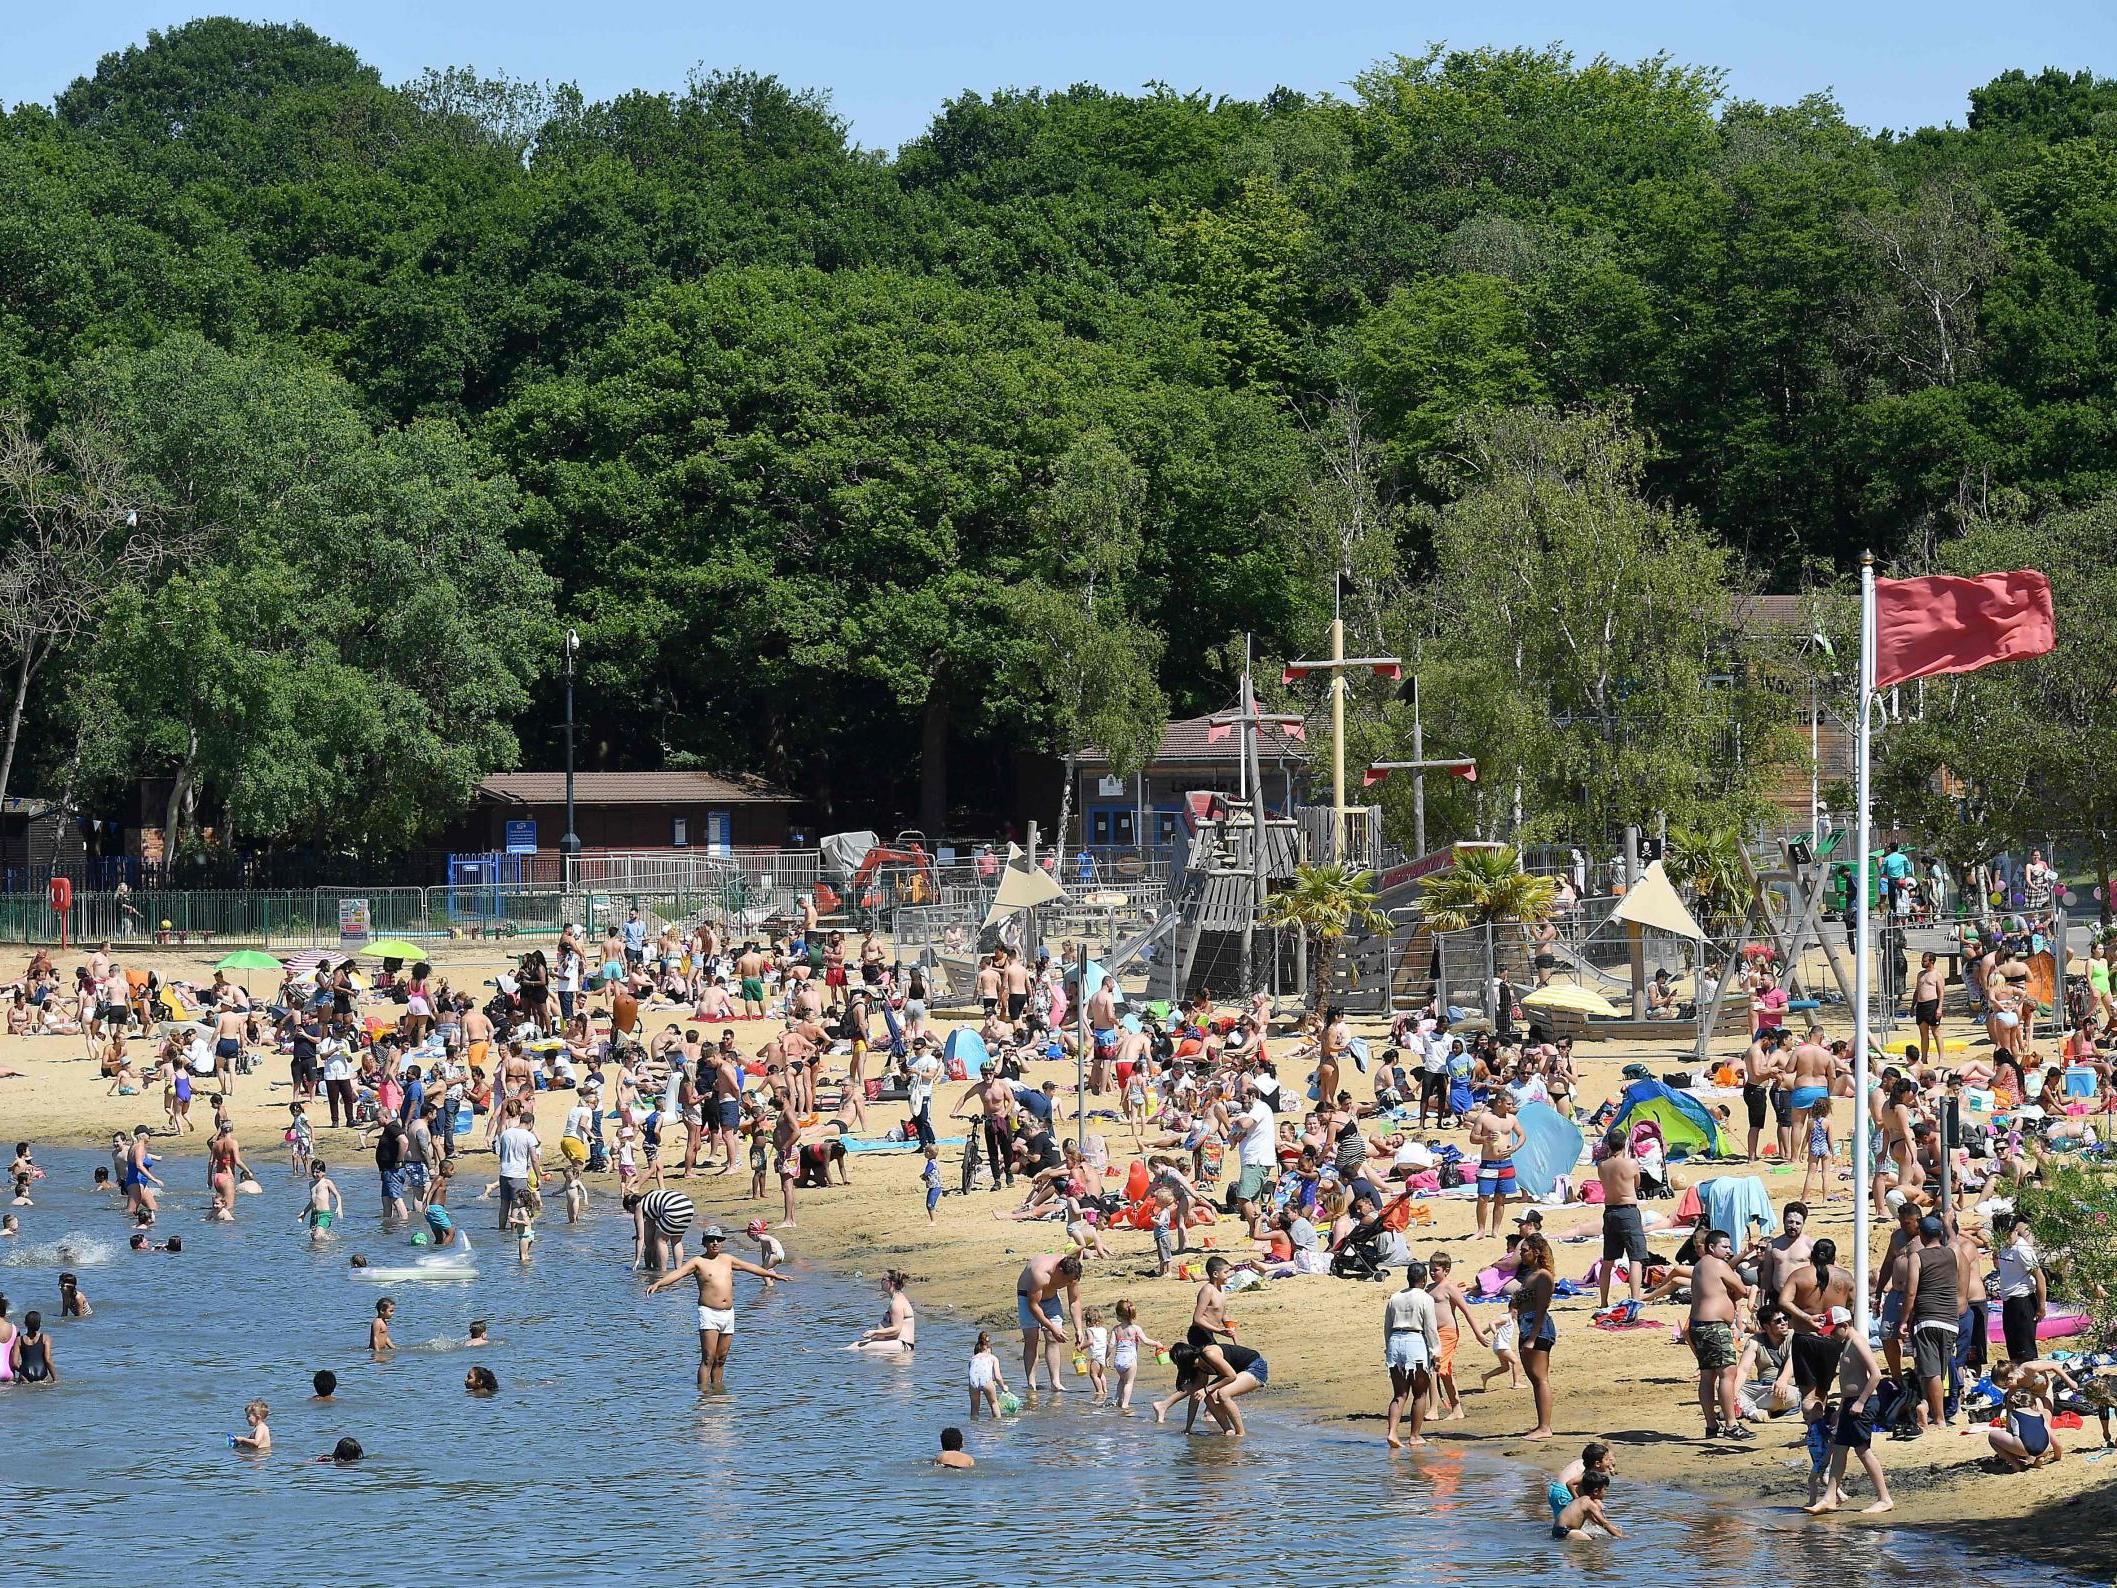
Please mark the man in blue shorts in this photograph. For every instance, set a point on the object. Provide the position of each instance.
(1497, 1134)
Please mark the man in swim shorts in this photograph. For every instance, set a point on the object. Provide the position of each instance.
(1624, 1233)
(1716, 1291)
(1810, 1075)
(1496, 1133)
(1042, 1292)
(714, 1271)
(1763, 1071)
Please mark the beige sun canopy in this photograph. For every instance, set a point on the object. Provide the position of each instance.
(1022, 888)
(1652, 901)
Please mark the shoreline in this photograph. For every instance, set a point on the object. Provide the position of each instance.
(1323, 1336)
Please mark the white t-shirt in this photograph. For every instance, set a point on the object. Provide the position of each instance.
(2015, 1269)
(1260, 1146)
(579, 1120)
(925, 1071)
(518, 1152)
(1433, 1052)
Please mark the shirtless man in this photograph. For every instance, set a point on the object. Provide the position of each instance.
(1779, 1256)
(1891, 1278)
(725, 1076)
(1716, 1291)
(1102, 1026)
(714, 1271)
(228, 1028)
(1015, 977)
(1046, 1286)
(477, 1036)
(989, 988)
(1811, 1073)
(1624, 1233)
(786, 1160)
(1763, 1066)
(1496, 1133)
(751, 967)
(1926, 995)
(1807, 1296)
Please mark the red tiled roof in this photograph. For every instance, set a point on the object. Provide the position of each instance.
(631, 788)
(1183, 742)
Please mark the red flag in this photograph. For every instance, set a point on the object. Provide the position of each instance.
(1292, 675)
(1945, 625)
(1467, 772)
(1389, 670)
(1217, 731)
(1297, 731)
(1373, 775)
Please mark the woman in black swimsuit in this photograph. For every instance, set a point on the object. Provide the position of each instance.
(32, 1352)
(1218, 1376)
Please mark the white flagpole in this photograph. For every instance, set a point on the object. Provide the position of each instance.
(1862, 892)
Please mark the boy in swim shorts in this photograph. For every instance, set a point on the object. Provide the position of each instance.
(323, 1205)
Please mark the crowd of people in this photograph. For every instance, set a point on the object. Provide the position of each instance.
(1303, 1177)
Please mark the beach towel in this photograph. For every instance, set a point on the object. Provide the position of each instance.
(1732, 1201)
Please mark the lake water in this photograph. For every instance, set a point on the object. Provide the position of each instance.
(599, 1457)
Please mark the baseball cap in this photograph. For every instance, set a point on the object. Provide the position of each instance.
(754, 1227)
(1530, 1217)
(1839, 1316)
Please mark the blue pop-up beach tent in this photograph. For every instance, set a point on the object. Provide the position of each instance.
(966, 1047)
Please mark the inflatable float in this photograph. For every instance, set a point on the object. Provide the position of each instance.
(457, 1261)
(2058, 1323)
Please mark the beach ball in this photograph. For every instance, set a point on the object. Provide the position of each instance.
(1010, 1403)
(165, 926)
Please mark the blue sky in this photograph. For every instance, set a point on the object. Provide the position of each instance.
(1890, 62)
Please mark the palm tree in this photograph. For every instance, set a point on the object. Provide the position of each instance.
(1712, 865)
(1485, 887)
(1327, 902)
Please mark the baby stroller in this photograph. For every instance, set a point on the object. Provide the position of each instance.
(1651, 1151)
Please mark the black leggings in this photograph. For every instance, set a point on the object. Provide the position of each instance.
(341, 1090)
(2018, 1322)
(997, 1140)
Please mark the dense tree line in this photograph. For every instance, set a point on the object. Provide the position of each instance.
(859, 469)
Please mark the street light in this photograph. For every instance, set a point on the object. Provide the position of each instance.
(571, 844)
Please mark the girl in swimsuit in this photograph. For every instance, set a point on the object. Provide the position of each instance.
(2026, 1440)
(31, 1350)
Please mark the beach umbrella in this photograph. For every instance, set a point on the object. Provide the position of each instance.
(247, 959)
(392, 948)
(1564, 995)
(310, 959)
(668, 1211)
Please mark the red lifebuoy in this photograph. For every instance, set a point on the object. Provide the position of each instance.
(62, 894)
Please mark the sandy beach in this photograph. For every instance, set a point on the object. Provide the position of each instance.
(1635, 1389)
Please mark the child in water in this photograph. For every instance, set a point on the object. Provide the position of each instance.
(72, 1304)
(987, 1383)
(259, 1438)
(1098, 1353)
(1585, 1508)
(576, 1193)
(31, 1349)
(1126, 1342)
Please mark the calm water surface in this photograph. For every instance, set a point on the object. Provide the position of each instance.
(599, 1457)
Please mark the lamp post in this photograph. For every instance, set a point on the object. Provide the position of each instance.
(570, 845)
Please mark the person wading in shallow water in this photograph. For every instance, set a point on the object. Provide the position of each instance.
(714, 1271)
